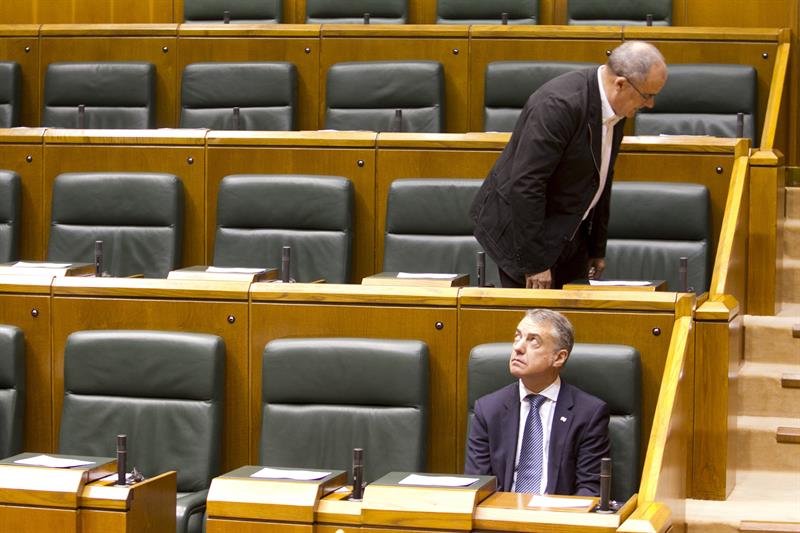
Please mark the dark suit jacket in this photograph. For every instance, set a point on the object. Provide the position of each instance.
(534, 198)
(576, 445)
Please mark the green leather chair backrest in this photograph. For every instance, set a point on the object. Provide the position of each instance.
(619, 12)
(428, 228)
(365, 95)
(509, 84)
(265, 95)
(115, 95)
(10, 194)
(611, 372)
(137, 215)
(323, 397)
(259, 214)
(240, 11)
(10, 94)
(352, 11)
(703, 100)
(12, 390)
(486, 11)
(652, 225)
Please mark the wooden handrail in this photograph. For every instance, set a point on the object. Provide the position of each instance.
(776, 88)
(735, 209)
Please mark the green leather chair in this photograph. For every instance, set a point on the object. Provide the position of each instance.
(10, 94)
(352, 11)
(323, 397)
(240, 11)
(10, 194)
(259, 214)
(486, 11)
(703, 100)
(619, 13)
(365, 95)
(12, 390)
(265, 95)
(163, 390)
(652, 225)
(428, 228)
(609, 371)
(509, 84)
(115, 95)
(138, 216)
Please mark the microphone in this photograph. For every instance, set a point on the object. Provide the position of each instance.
(481, 259)
(649, 19)
(286, 264)
(236, 119)
(683, 273)
(82, 117)
(397, 122)
(358, 474)
(122, 458)
(605, 505)
(366, 18)
(226, 17)
(504, 18)
(98, 259)
(739, 125)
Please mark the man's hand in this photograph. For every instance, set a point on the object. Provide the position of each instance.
(596, 267)
(542, 280)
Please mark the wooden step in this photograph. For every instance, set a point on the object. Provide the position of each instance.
(788, 435)
(790, 381)
(755, 526)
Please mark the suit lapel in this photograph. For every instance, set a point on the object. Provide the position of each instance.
(595, 119)
(562, 421)
(509, 445)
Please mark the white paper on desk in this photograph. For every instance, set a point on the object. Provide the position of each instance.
(234, 270)
(437, 481)
(558, 503)
(618, 282)
(52, 462)
(413, 275)
(25, 264)
(297, 475)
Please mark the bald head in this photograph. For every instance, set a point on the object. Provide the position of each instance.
(634, 60)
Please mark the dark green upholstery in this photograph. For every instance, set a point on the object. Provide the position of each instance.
(241, 11)
(652, 225)
(323, 397)
(10, 193)
(116, 95)
(12, 390)
(352, 11)
(265, 93)
(703, 100)
(138, 216)
(509, 84)
(486, 11)
(428, 228)
(619, 12)
(163, 390)
(259, 214)
(364, 95)
(10, 94)
(610, 372)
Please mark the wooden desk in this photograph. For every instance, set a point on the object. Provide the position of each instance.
(20, 43)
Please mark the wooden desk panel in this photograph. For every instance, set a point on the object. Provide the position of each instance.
(20, 43)
(25, 519)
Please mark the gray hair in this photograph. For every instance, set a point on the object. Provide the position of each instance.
(634, 59)
(563, 333)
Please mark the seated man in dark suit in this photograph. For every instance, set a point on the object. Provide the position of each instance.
(540, 434)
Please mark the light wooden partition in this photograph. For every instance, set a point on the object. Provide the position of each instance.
(20, 43)
(178, 152)
(85, 11)
(296, 44)
(21, 151)
(217, 308)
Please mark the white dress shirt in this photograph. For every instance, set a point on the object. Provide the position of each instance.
(546, 411)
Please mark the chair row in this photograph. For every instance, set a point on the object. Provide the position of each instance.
(139, 216)
(321, 397)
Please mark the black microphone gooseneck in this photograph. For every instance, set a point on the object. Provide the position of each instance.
(504, 18)
(286, 264)
(122, 459)
(98, 259)
(358, 474)
(605, 505)
(683, 272)
(481, 267)
(81, 117)
(366, 18)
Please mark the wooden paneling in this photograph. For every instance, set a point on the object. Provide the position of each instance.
(85, 11)
(21, 45)
(22, 518)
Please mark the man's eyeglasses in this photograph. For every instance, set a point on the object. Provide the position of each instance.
(645, 96)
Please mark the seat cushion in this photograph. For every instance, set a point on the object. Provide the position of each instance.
(10, 94)
(10, 194)
(619, 13)
(242, 11)
(472, 12)
(352, 11)
(12, 390)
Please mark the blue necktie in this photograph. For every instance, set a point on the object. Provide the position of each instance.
(529, 468)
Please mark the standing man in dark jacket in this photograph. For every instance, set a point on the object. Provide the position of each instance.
(542, 213)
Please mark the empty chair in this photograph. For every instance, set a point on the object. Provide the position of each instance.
(12, 390)
(428, 228)
(703, 100)
(10, 94)
(137, 215)
(257, 215)
(652, 225)
(509, 84)
(367, 95)
(113, 95)
(323, 397)
(610, 372)
(239, 96)
(352, 11)
(487, 11)
(9, 215)
(619, 13)
(238, 11)
(164, 390)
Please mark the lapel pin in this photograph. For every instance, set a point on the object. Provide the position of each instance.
(563, 418)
